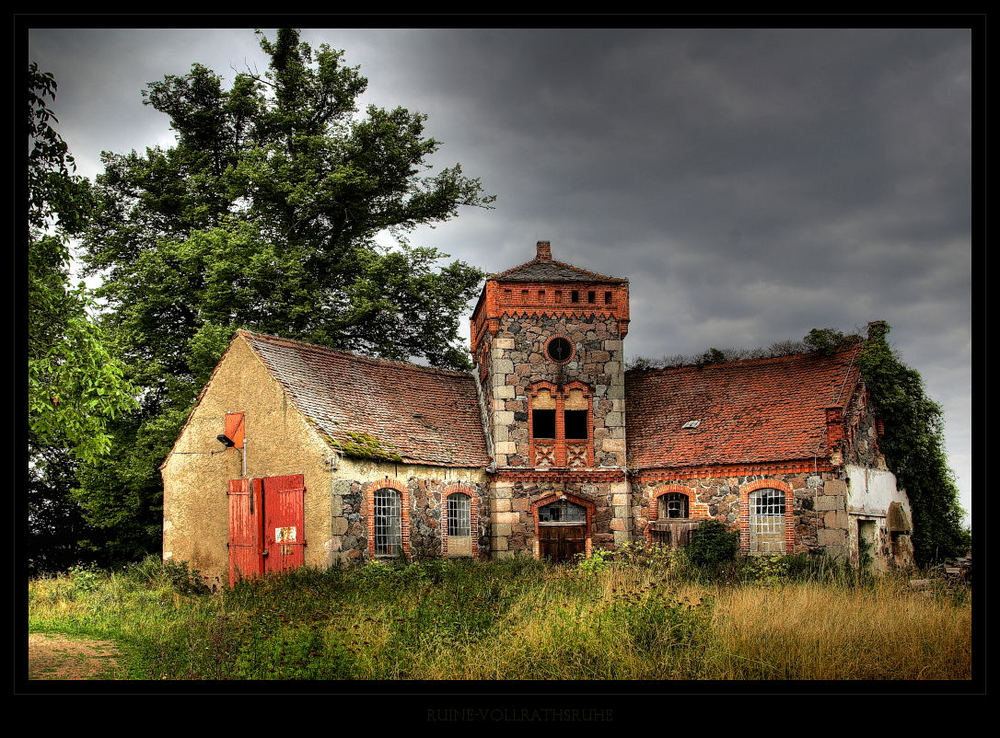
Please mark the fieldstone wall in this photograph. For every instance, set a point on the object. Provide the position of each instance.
(518, 359)
(349, 528)
(819, 513)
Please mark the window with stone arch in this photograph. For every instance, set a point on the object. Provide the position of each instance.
(459, 522)
(766, 517)
(560, 425)
(388, 519)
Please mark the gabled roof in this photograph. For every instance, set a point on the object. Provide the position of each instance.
(546, 270)
(377, 408)
(750, 411)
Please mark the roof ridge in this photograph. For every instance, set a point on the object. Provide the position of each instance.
(536, 260)
(353, 355)
(750, 360)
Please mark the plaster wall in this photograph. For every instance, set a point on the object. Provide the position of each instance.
(869, 494)
(196, 474)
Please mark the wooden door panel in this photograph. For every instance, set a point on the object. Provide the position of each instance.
(284, 536)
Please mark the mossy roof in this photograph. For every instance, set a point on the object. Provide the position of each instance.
(379, 409)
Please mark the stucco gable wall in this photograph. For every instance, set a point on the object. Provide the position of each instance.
(279, 441)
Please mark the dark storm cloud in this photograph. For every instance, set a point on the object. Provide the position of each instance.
(752, 184)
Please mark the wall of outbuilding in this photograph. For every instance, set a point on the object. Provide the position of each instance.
(279, 441)
(819, 519)
(426, 488)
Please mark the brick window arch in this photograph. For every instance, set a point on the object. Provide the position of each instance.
(560, 425)
(767, 519)
(658, 500)
(459, 521)
(387, 505)
(543, 541)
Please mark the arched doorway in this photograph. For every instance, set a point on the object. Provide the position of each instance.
(562, 531)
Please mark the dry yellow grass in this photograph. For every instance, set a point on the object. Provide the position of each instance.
(814, 631)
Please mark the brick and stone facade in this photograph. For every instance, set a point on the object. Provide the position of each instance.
(548, 424)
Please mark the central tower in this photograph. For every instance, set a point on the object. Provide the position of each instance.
(547, 341)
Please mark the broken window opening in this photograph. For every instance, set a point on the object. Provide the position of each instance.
(673, 505)
(576, 424)
(543, 423)
(562, 511)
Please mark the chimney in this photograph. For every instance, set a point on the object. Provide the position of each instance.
(877, 329)
(544, 251)
(834, 425)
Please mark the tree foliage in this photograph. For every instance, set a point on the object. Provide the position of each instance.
(913, 445)
(74, 385)
(264, 215)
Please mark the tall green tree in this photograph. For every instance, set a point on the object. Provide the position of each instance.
(264, 215)
(76, 387)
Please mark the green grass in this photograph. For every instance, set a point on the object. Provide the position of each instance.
(515, 619)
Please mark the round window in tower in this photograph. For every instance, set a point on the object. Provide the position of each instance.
(559, 349)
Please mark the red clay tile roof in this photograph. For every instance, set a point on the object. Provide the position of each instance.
(546, 270)
(427, 416)
(751, 411)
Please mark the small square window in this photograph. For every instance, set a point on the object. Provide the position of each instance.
(591, 296)
(574, 296)
(607, 298)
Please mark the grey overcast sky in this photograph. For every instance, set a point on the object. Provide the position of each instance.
(752, 184)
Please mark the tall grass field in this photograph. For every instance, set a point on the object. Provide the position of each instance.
(515, 619)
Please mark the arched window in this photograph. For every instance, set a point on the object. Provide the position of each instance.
(388, 522)
(459, 522)
(767, 521)
(673, 505)
(459, 519)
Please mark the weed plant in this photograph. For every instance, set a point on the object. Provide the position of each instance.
(643, 612)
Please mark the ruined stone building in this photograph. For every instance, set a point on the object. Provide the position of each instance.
(297, 454)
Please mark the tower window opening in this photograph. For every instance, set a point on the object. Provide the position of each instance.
(576, 424)
(543, 423)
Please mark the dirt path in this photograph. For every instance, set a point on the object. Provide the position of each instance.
(56, 656)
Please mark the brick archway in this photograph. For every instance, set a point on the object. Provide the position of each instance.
(555, 497)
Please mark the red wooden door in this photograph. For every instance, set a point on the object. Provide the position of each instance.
(284, 537)
(245, 517)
